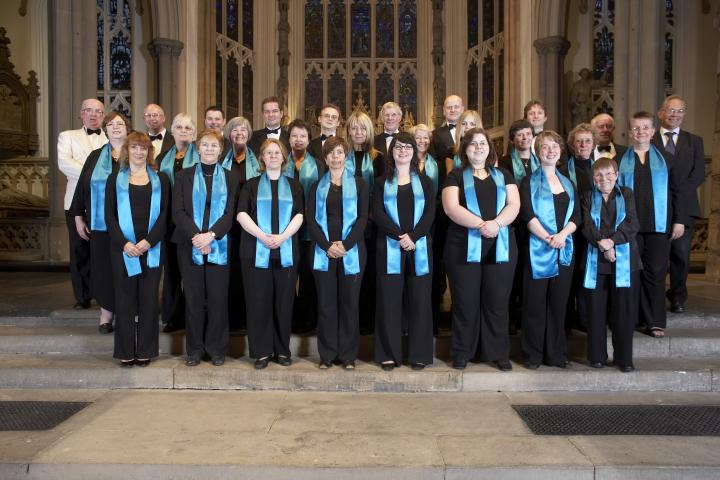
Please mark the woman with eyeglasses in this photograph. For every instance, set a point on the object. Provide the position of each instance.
(136, 213)
(550, 209)
(403, 209)
(270, 211)
(481, 201)
(468, 119)
(182, 154)
(659, 210)
(203, 213)
(88, 208)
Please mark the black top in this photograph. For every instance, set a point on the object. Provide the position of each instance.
(334, 209)
(583, 174)
(378, 163)
(182, 205)
(486, 194)
(259, 136)
(506, 163)
(625, 233)
(561, 201)
(81, 205)
(406, 211)
(247, 202)
(644, 201)
(140, 198)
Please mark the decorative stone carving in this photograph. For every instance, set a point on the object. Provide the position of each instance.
(581, 97)
(283, 84)
(438, 55)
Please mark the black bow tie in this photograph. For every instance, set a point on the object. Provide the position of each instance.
(451, 126)
(388, 135)
(93, 132)
(324, 137)
(604, 148)
(270, 131)
(156, 137)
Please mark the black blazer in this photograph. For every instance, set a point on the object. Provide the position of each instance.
(380, 144)
(168, 142)
(259, 136)
(315, 149)
(182, 207)
(689, 167)
(442, 144)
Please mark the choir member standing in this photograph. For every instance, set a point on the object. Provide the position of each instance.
(611, 268)
(270, 211)
(154, 117)
(88, 208)
(272, 115)
(403, 210)
(604, 127)
(549, 208)
(481, 202)
(203, 214)
(468, 119)
(443, 137)
(329, 119)
(136, 208)
(391, 115)
(337, 213)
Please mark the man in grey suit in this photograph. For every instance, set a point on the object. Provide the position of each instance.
(73, 148)
(686, 152)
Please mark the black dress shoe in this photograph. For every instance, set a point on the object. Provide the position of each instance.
(418, 366)
(261, 363)
(283, 361)
(171, 327)
(677, 307)
(459, 364)
(192, 361)
(105, 328)
(127, 363)
(532, 366)
(218, 360)
(626, 368)
(388, 367)
(82, 305)
(142, 363)
(563, 364)
(349, 365)
(324, 365)
(503, 365)
(597, 364)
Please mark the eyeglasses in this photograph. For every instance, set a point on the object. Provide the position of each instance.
(402, 146)
(673, 111)
(276, 111)
(644, 128)
(330, 116)
(478, 144)
(96, 111)
(152, 115)
(608, 175)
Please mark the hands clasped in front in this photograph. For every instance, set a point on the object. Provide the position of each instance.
(136, 249)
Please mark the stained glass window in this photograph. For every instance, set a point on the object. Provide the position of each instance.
(371, 53)
(234, 57)
(603, 55)
(114, 81)
(485, 69)
(669, 40)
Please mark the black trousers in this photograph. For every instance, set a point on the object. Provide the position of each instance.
(236, 293)
(616, 307)
(481, 313)
(516, 293)
(101, 271)
(543, 327)
(390, 308)
(79, 262)
(305, 314)
(439, 273)
(680, 266)
(654, 250)
(206, 319)
(136, 296)
(270, 293)
(338, 331)
(368, 286)
(173, 299)
(577, 314)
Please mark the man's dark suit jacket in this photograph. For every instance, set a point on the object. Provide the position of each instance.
(689, 167)
(619, 152)
(315, 149)
(259, 136)
(442, 145)
(168, 142)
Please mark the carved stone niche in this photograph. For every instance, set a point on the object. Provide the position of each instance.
(18, 104)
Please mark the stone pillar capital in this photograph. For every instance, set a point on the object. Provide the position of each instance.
(556, 44)
(165, 46)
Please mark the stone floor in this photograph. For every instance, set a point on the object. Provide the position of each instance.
(227, 434)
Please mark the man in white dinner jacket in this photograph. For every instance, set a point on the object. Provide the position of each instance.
(73, 148)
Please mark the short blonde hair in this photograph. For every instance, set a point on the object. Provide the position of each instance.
(182, 119)
(264, 146)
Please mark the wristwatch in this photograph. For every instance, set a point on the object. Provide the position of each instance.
(212, 233)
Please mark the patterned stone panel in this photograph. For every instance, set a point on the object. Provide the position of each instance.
(22, 239)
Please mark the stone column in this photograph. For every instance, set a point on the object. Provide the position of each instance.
(712, 263)
(165, 52)
(73, 70)
(551, 52)
(438, 56)
(283, 84)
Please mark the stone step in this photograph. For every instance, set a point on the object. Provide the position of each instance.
(79, 339)
(169, 372)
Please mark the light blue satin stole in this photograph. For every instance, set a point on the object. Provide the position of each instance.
(167, 166)
(366, 169)
(502, 243)
(307, 175)
(264, 219)
(351, 261)
(98, 181)
(251, 163)
(543, 258)
(122, 188)
(218, 202)
(431, 170)
(518, 166)
(660, 177)
(456, 161)
(394, 254)
(622, 251)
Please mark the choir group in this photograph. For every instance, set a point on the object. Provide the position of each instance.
(352, 233)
